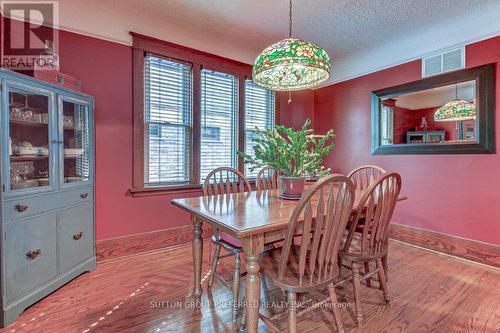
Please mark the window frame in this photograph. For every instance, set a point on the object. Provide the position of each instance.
(253, 177)
(385, 107)
(237, 120)
(188, 127)
(143, 45)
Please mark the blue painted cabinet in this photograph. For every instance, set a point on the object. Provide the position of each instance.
(47, 190)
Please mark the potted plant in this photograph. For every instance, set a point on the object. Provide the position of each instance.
(295, 154)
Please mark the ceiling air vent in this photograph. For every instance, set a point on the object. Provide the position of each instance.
(443, 62)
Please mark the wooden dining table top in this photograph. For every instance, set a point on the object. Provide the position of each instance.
(248, 213)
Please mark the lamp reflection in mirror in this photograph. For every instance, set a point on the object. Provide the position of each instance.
(456, 110)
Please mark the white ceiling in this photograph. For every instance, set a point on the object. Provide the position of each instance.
(437, 96)
(361, 36)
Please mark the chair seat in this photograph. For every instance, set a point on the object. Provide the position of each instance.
(359, 227)
(354, 253)
(269, 265)
(229, 240)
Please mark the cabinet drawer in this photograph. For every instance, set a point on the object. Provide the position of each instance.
(76, 236)
(31, 260)
(15, 209)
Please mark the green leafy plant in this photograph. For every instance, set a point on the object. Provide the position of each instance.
(294, 153)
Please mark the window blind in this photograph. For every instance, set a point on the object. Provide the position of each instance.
(219, 121)
(387, 124)
(259, 112)
(167, 122)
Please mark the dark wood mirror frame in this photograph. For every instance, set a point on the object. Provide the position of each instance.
(484, 76)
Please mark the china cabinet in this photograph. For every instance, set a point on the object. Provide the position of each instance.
(47, 189)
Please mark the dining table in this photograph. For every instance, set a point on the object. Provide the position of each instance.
(255, 218)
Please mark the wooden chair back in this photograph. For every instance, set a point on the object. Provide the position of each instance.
(324, 211)
(225, 180)
(267, 179)
(375, 208)
(364, 175)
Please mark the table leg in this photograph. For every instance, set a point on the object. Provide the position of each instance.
(252, 247)
(197, 256)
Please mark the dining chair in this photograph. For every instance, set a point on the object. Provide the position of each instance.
(371, 244)
(311, 264)
(364, 175)
(221, 181)
(267, 179)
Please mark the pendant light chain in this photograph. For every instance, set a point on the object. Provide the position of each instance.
(290, 36)
(291, 64)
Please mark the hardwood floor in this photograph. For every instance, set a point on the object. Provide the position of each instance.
(151, 293)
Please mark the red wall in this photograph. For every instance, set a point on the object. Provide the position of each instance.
(453, 194)
(407, 120)
(450, 127)
(449, 193)
(295, 113)
(105, 69)
(404, 121)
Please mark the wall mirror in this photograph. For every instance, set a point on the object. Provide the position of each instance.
(452, 113)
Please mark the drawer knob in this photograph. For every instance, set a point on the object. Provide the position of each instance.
(33, 254)
(83, 195)
(21, 208)
(78, 235)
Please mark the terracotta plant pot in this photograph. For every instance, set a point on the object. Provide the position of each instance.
(292, 186)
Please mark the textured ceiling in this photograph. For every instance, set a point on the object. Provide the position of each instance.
(360, 35)
(437, 97)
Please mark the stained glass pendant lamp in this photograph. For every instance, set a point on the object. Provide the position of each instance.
(291, 64)
(456, 110)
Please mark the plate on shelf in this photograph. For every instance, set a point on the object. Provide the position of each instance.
(72, 179)
(36, 151)
(24, 184)
(70, 152)
(17, 157)
(43, 181)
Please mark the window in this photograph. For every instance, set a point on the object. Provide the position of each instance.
(259, 112)
(387, 124)
(167, 122)
(209, 133)
(192, 112)
(219, 109)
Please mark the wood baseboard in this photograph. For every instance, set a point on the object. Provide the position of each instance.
(480, 252)
(483, 253)
(149, 241)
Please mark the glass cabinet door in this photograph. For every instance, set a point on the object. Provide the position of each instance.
(74, 119)
(28, 143)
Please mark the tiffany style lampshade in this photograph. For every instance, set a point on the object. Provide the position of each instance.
(456, 110)
(291, 64)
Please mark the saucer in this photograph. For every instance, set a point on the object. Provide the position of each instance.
(290, 197)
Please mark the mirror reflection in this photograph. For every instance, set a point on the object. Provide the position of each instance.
(441, 115)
